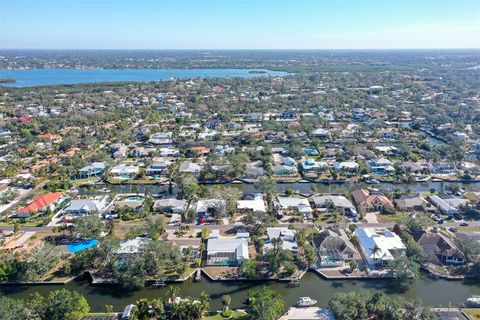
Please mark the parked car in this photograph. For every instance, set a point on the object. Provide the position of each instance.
(453, 229)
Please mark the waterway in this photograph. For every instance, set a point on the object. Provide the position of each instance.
(431, 292)
(42, 77)
(303, 188)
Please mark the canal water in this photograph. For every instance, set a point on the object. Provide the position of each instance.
(431, 292)
(303, 188)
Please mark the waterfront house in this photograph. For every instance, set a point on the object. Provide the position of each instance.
(209, 206)
(438, 249)
(345, 165)
(283, 170)
(158, 168)
(286, 235)
(441, 167)
(226, 251)
(311, 165)
(134, 204)
(334, 249)
(370, 201)
(295, 204)
(379, 246)
(94, 169)
(41, 203)
(412, 202)
(124, 171)
(171, 205)
(381, 166)
(254, 170)
(336, 201)
(190, 167)
(448, 205)
(253, 202)
(81, 207)
(132, 246)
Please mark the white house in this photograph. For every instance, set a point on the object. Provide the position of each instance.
(286, 235)
(293, 203)
(379, 246)
(227, 251)
(255, 204)
(124, 171)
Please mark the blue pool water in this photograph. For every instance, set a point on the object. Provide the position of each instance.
(135, 198)
(76, 247)
(42, 77)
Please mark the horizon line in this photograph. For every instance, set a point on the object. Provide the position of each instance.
(246, 49)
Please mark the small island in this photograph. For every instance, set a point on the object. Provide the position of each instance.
(257, 71)
(7, 80)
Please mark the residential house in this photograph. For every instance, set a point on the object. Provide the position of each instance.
(441, 167)
(345, 165)
(336, 201)
(190, 167)
(379, 246)
(209, 206)
(124, 171)
(334, 249)
(94, 169)
(254, 170)
(311, 165)
(370, 201)
(135, 205)
(197, 152)
(286, 235)
(81, 207)
(41, 203)
(448, 205)
(226, 251)
(132, 246)
(169, 152)
(438, 249)
(252, 202)
(141, 152)
(381, 166)
(161, 138)
(158, 168)
(170, 205)
(412, 202)
(295, 204)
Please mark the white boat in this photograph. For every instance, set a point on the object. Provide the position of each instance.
(473, 301)
(104, 190)
(306, 302)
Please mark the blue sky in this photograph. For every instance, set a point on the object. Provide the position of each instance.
(239, 24)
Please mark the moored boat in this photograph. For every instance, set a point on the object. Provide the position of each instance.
(306, 302)
(473, 301)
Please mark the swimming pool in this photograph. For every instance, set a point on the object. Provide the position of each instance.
(76, 247)
(135, 198)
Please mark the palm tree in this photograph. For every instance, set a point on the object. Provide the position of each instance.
(226, 300)
(375, 250)
(204, 304)
(172, 294)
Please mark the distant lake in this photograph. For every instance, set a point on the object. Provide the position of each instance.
(43, 77)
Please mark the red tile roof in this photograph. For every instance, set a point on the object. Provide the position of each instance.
(40, 202)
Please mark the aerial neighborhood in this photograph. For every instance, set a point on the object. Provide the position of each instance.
(349, 175)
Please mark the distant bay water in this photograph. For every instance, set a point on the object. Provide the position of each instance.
(43, 77)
